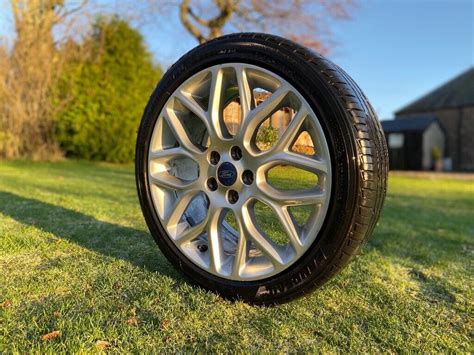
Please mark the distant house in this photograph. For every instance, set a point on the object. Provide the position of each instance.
(441, 122)
(412, 142)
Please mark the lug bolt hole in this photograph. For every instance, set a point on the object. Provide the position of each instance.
(214, 158)
(202, 247)
(232, 196)
(212, 184)
(247, 177)
(236, 153)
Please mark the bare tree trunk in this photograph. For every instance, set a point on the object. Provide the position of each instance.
(28, 73)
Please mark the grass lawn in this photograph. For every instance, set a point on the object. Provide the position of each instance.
(76, 257)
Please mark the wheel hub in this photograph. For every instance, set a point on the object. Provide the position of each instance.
(227, 174)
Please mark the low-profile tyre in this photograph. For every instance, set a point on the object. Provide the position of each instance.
(261, 167)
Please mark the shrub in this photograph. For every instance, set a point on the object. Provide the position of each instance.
(267, 135)
(106, 93)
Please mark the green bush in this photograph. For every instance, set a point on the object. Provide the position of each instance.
(267, 135)
(105, 93)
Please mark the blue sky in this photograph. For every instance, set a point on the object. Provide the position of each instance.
(396, 50)
(399, 50)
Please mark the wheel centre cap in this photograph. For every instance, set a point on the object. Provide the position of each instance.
(227, 174)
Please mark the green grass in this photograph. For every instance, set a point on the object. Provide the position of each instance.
(76, 257)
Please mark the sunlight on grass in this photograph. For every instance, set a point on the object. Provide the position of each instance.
(77, 258)
(291, 178)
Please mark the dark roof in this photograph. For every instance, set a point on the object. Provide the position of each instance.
(418, 124)
(457, 92)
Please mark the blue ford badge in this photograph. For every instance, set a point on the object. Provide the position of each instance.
(227, 174)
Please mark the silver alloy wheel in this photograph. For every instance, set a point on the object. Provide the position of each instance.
(196, 176)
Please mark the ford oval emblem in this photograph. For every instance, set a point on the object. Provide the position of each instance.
(227, 174)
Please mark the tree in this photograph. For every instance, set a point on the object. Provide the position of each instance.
(301, 20)
(108, 90)
(27, 73)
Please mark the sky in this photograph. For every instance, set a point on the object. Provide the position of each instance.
(396, 50)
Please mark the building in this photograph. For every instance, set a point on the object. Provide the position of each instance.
(451, 106)
(414, 143)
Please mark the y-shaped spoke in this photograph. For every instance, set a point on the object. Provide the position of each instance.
(289, 135)
(188, 101)
(261, 112)
(292, 230)
(263, 243)
(192, 232)
(173, 217)
(179, 131)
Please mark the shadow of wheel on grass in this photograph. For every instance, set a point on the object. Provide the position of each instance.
(111, 240)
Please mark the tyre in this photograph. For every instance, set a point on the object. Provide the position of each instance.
(261, 168)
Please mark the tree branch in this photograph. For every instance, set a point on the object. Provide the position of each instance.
(184, 13)
(198, 19)
(72, 11)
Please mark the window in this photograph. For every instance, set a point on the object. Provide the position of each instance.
(395, 140)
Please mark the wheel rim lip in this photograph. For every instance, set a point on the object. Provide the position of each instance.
(324, 206)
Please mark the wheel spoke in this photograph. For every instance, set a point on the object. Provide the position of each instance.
(179, 131)
(166, 180)
(266, 246)
(263, 111)
(188, 101)
(216, 255)
(245, 91)
(192, 232)
(166, 155)
(240, 258)
(312, 196)
(215, 102)
(176, 212)
(289, 225)
(300, 161)
(289, 135)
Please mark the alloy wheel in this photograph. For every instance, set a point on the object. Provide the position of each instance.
(208, 176)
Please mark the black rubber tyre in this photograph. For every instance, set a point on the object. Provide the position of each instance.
(356, 143)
